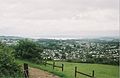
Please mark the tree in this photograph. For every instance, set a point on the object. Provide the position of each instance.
(63, 56)
(28, 50)
(8, 66)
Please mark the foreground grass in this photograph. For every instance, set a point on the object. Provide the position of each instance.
(101, 71)
(43, 67)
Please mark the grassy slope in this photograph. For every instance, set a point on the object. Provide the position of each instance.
(43, 67)
(101, 71)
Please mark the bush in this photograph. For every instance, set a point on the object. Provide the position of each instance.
(8, 66)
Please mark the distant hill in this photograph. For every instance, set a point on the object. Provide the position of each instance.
(10, 37)
(84, 39)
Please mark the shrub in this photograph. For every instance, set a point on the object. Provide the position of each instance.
(8, 66)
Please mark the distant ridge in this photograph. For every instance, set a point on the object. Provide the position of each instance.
(99, 38)
(10, 37)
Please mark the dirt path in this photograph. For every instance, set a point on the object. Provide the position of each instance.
(37, 73)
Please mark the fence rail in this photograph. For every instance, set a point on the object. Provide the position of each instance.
(91, 76)
(48, 63)
(53, 65)
(26, 72)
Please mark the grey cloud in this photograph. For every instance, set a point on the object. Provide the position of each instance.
(52, 9)
(58, 16)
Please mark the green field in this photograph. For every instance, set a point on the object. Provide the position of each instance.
(101, 71)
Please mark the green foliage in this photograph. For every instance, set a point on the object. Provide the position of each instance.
(8, 66)
(28, 50)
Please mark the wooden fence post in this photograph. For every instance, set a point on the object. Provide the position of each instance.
(53, 65)
(75, 72)
(62, 67)
(26, 73)
(93, 73)
(45, 62)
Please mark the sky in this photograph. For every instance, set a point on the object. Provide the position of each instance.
(59, 18)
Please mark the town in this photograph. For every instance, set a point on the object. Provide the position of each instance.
(105, 51)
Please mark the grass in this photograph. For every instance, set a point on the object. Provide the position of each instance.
(101, 71)
(43, 67)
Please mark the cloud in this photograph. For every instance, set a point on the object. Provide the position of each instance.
(59, 17)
